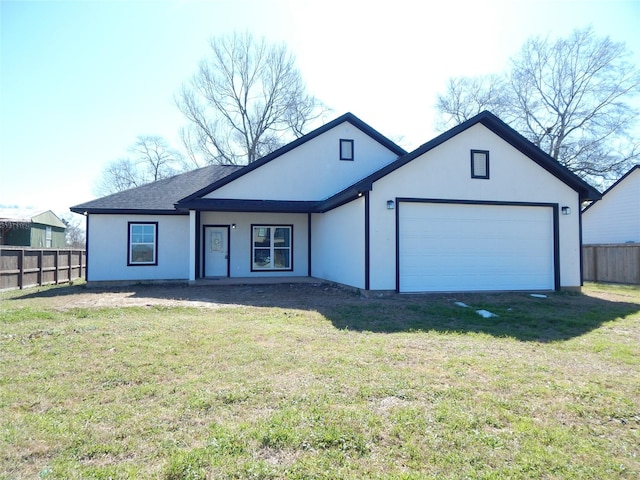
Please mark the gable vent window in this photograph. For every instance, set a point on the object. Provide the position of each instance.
(479, 164)
(346, 149)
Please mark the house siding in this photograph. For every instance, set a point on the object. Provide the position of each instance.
(312, 171)
(240, 241)
(109, 233)
(338, 244)
(444, 173)
(615, 218)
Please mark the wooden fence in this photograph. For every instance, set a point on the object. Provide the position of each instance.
(611, 263)
(22, 267)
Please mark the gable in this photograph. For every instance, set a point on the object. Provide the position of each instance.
(615, 218)
(311, 168)
(506, 134)
(445, 171)
(313, 171)
(48, 218)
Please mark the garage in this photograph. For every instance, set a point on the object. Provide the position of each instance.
(466, 246)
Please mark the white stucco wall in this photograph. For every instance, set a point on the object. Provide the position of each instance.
(445, 173)
(615, 218)
(240, 240)
(108, 247)
(338, 244)
(312, 171)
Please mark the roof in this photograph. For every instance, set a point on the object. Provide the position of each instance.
(622, 178)
(347, 117)
(508, 134)
(176, 195)
(24, 217)
(158, 197)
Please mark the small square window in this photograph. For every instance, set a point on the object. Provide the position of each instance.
(479, 164)
(346, 149)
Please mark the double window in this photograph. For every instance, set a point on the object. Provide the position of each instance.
(143, 244)
(271, 247)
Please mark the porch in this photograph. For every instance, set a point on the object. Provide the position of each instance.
(254, 281)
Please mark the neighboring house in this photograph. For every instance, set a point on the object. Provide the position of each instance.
(615, 218)
(477, 208)
(31, 229)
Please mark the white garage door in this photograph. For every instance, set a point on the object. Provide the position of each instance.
(462, 247)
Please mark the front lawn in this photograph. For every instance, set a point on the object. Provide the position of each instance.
(406, 387)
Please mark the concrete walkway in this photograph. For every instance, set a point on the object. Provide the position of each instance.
(255, 280)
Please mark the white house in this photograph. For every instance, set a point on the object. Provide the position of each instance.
(476, 208)
(615, 218)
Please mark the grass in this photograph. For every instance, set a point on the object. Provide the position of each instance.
(405, 387)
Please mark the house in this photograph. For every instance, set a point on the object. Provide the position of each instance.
(616, 218)
(28, 228)
(476, 208)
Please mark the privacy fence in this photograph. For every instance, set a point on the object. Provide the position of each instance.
(611, 263)
(22, 267)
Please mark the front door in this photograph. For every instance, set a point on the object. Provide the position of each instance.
(216, 251)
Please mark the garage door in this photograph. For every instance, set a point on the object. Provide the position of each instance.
(473, 247)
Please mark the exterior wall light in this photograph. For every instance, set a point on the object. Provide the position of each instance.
(566, 210)
(390, 204)
(233, 225)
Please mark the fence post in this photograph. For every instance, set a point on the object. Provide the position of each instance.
(56, 264)
(21, 268)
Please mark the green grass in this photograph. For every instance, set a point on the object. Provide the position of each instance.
(405, 387)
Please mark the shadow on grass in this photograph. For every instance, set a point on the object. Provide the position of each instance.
(558, 316)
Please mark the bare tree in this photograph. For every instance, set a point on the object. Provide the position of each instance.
(468, 96)
(572, 97)
(75, 230)
(153, 159)
(246, 100)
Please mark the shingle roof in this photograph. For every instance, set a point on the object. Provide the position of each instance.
(157, 197)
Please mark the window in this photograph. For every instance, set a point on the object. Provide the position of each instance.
(47, 237)
(479, 164)
(143, 244)
(346, 149)
(271, 247)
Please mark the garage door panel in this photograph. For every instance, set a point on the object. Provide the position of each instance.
(445, 247)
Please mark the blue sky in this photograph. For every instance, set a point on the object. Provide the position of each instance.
(79, 80)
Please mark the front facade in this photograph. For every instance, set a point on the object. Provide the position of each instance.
(477, 208)
(616, 218)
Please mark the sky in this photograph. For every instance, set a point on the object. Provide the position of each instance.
(80, 80)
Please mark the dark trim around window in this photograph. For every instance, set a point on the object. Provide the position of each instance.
(154, 260)
(271, 247)
(346, 149)
(480, 168)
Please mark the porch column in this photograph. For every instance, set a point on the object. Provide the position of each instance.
(193, 234)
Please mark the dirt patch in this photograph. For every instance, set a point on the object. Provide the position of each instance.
(308, 295)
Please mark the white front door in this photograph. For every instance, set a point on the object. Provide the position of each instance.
(216, 251)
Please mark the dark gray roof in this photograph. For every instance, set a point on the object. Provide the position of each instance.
(158, 197)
